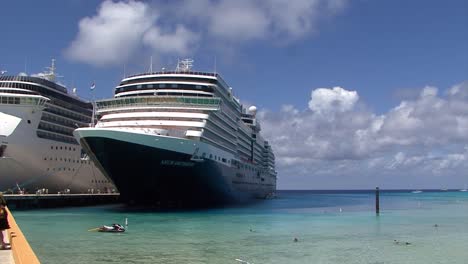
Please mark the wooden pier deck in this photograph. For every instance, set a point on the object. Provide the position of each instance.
(6, 256)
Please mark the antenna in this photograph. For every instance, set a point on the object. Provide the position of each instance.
(184, 65)
(50, 75)
(151, 64)
(215, 64)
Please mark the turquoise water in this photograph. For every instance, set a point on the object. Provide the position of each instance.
(263, 232)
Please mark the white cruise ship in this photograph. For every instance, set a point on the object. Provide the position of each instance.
(180, 138)
(38, 152)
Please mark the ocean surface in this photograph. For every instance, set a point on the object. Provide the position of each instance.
(331, 227)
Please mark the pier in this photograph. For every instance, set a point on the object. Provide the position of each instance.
(21, 252)
(31, 201)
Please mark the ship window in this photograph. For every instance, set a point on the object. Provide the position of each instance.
(139, 86)
(149, 86)
(162, 85)
(29, 121)
(174, 85)
(224, 160)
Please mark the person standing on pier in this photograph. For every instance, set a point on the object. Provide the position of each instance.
(3, 222)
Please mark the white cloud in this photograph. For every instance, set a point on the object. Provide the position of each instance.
(238, 21)
(399, 143)
(295, 18)
(113, 34)
(121, 29)
(332, 100)
(247, 20)
(179, 42)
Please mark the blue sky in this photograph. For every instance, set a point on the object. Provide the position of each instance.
(396, 120)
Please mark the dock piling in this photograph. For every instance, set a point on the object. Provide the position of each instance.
(377, 203)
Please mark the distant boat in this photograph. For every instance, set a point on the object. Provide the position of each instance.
(464, 189)
(417, 191)
(444, 189)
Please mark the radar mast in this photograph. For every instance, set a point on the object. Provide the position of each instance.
(184, 65)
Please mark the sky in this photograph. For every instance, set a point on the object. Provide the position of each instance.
(351, 94)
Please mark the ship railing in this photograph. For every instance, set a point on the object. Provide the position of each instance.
(158, 101)
(174, 72)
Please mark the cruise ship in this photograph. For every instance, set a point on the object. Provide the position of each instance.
(180, 138)
(38, 153)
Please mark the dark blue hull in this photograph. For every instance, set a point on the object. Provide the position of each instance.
(152, 176)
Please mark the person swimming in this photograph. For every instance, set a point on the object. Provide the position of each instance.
(296, 240)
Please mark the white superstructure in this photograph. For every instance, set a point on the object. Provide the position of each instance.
(38, 152)
(191, 117)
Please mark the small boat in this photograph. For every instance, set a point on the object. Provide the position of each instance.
(417, 191)
(114, 228)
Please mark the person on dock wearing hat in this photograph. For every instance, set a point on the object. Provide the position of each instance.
(3, 222)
